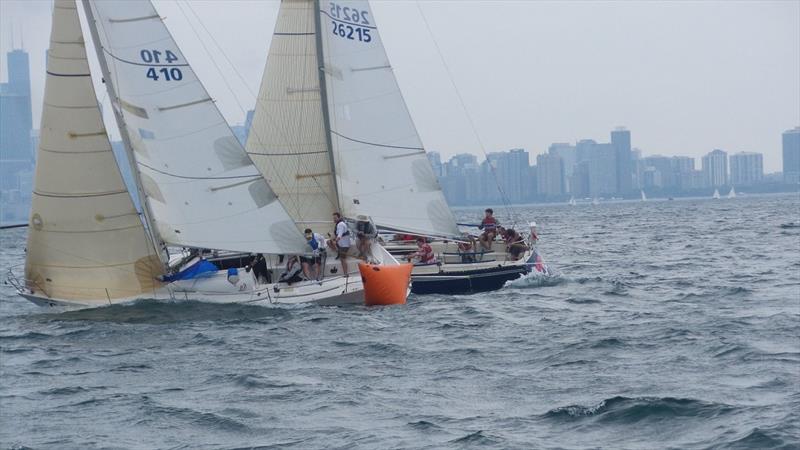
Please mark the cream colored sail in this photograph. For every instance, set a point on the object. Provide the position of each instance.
(85, 240)
(201, 188)
(287, 139)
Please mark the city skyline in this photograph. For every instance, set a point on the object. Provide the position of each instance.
(576, 85)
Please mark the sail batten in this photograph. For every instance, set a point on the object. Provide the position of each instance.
(86, 241)
(201, 188)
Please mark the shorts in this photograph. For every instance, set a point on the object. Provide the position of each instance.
(343, 251)
(311, 259)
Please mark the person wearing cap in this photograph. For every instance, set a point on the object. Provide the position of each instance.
(312, 266)
(424, 252)
(365, 233)
(489, 226)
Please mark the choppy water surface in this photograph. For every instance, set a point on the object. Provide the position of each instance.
(673, 325)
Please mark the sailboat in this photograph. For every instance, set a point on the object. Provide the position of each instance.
(716, 194)
(732, 193)
(331, 132)
(205, 206)
(572, 201)
(644, 197)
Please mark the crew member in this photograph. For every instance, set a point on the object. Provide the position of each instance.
(424, 253)
(312, 266)
(342, 240)
(489, 226)
(365, 233)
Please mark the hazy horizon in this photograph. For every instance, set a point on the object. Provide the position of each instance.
(684, 77)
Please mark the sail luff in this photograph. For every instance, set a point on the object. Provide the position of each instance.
(152, 231)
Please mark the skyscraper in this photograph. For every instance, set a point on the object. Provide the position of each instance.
(15, 120)
(791, 156)
(746, 168)
(621, 141)
(550, 175)
(715, 168)
(568, 158)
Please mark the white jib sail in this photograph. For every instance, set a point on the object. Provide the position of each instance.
(201, 187)
(381, 166)
(287, 139)
(85, 240)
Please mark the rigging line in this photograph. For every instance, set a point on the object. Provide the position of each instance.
(376, 144)
(186, 177)
(244, 82)
(505, 199)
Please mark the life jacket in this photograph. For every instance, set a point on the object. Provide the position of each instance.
(489, 224)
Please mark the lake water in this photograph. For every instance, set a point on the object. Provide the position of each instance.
(673, 324)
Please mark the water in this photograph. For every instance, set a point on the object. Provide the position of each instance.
(672, 325)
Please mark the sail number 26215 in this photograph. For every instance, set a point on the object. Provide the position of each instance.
(347, 23)
(166, 73)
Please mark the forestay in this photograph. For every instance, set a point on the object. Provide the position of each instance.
(85, 239)
(287, 139)
(382, 168)
(201, 188)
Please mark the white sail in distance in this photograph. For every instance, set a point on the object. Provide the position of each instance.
(201, 188)
(86, 240)
(328, 86)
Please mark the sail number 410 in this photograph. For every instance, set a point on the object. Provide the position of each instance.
(346, 23)
(167, 73)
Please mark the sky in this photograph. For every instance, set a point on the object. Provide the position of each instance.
(685, 77)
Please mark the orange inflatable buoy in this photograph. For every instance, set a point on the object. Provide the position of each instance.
(385, 285)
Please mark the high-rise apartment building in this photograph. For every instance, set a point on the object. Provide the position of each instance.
(621, 141)
(550, 175)
(715, 168)
(746, 168)
(791, 156)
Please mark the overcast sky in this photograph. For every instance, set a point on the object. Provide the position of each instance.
(684, 76)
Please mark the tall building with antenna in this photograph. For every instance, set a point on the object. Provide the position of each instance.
(16, 137)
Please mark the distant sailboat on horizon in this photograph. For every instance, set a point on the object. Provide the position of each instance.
(644, 197)
(572, 201)
(716, 194)
(732, 193)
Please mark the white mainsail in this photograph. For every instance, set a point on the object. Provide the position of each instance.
(287, 140)
(331, 128)
(86, 240)
(201, 188)
(381, 166)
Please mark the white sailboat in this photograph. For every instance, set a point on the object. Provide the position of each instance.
(572, 201)
(716, 194)
(732, 193)
(331, 131)
(87, 245)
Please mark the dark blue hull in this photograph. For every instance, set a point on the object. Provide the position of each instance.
(466, 282)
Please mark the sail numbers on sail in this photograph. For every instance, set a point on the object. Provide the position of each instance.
(349, 23)
(154, 57)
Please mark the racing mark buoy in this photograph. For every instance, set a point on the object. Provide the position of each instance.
(385, 285)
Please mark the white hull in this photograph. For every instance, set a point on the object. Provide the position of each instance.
(214, 287)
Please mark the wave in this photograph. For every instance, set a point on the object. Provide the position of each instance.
(477, 438)
(626, 410)
(167, 312)
(536, 279)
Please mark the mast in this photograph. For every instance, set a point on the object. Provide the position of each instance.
(152, 232)
(323, 93)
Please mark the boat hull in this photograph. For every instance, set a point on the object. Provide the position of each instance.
(466, 281)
